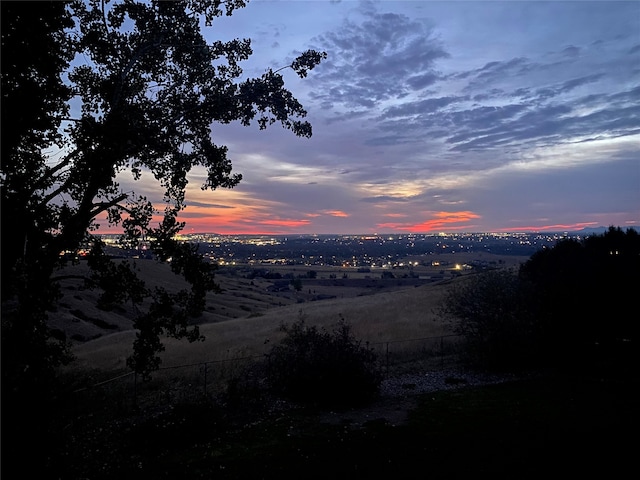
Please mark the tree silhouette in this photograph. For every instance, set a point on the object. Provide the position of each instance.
(91, 89)
(568, 304)
(582, 291)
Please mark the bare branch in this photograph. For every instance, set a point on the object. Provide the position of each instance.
(102, 206)
(41, 182)
(55, 193)
(104, 18)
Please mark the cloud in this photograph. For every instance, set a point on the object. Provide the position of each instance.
(384, 199)
(565, 87)
(558, 123)
(564, 109)
(571, 51)
(493, 70)
(423, 80)
(420, 107)
(289, 223)
(439, 221)
(380, 57)
(194, 203)
(336, 213)
(389, 140)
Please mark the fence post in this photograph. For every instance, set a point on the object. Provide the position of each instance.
(135, 390)
(387, 356)
(205, 379)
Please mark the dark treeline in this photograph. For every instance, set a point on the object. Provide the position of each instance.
(568, 304)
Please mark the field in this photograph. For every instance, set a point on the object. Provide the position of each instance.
(244, 318)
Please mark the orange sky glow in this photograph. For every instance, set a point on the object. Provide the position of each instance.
(244, 220)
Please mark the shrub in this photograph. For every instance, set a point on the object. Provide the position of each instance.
(490, 311)
(325, 368)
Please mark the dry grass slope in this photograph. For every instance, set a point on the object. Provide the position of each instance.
(244, 319)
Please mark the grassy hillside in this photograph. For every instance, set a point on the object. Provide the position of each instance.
(244, 318)
(387, 316)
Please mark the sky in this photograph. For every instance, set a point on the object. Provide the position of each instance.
(433, 116)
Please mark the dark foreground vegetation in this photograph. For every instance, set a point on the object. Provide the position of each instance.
(565, 424)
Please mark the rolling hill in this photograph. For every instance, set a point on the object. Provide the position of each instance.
(244, 318)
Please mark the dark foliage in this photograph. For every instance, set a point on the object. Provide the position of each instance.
(582, 293)
(490, 310)
(321, 367)
(570, 304)
(524, 429)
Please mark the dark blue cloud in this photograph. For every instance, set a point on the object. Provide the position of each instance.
(567, 86)
(556, 122)
(571, 51)
(384, 199)
(494, 69)
(419, 107)
(383, 56)
(388, 140)
(421, 81)
(194, 203)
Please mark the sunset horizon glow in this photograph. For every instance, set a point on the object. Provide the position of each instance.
(443, 224)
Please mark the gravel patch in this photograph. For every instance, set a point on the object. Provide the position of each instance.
(418, 383)
(400, 394)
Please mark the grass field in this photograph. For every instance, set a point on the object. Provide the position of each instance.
(244, 319)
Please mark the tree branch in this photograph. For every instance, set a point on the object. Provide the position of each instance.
(55, 193)
(104, 19)
(52, 171)
(102, 206)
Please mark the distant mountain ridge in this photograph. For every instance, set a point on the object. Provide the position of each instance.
(601, 230)
(589, 230)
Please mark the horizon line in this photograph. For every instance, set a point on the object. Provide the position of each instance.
(524, 230)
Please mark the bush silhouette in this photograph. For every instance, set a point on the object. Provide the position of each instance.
(490, 310)
(325, 368)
